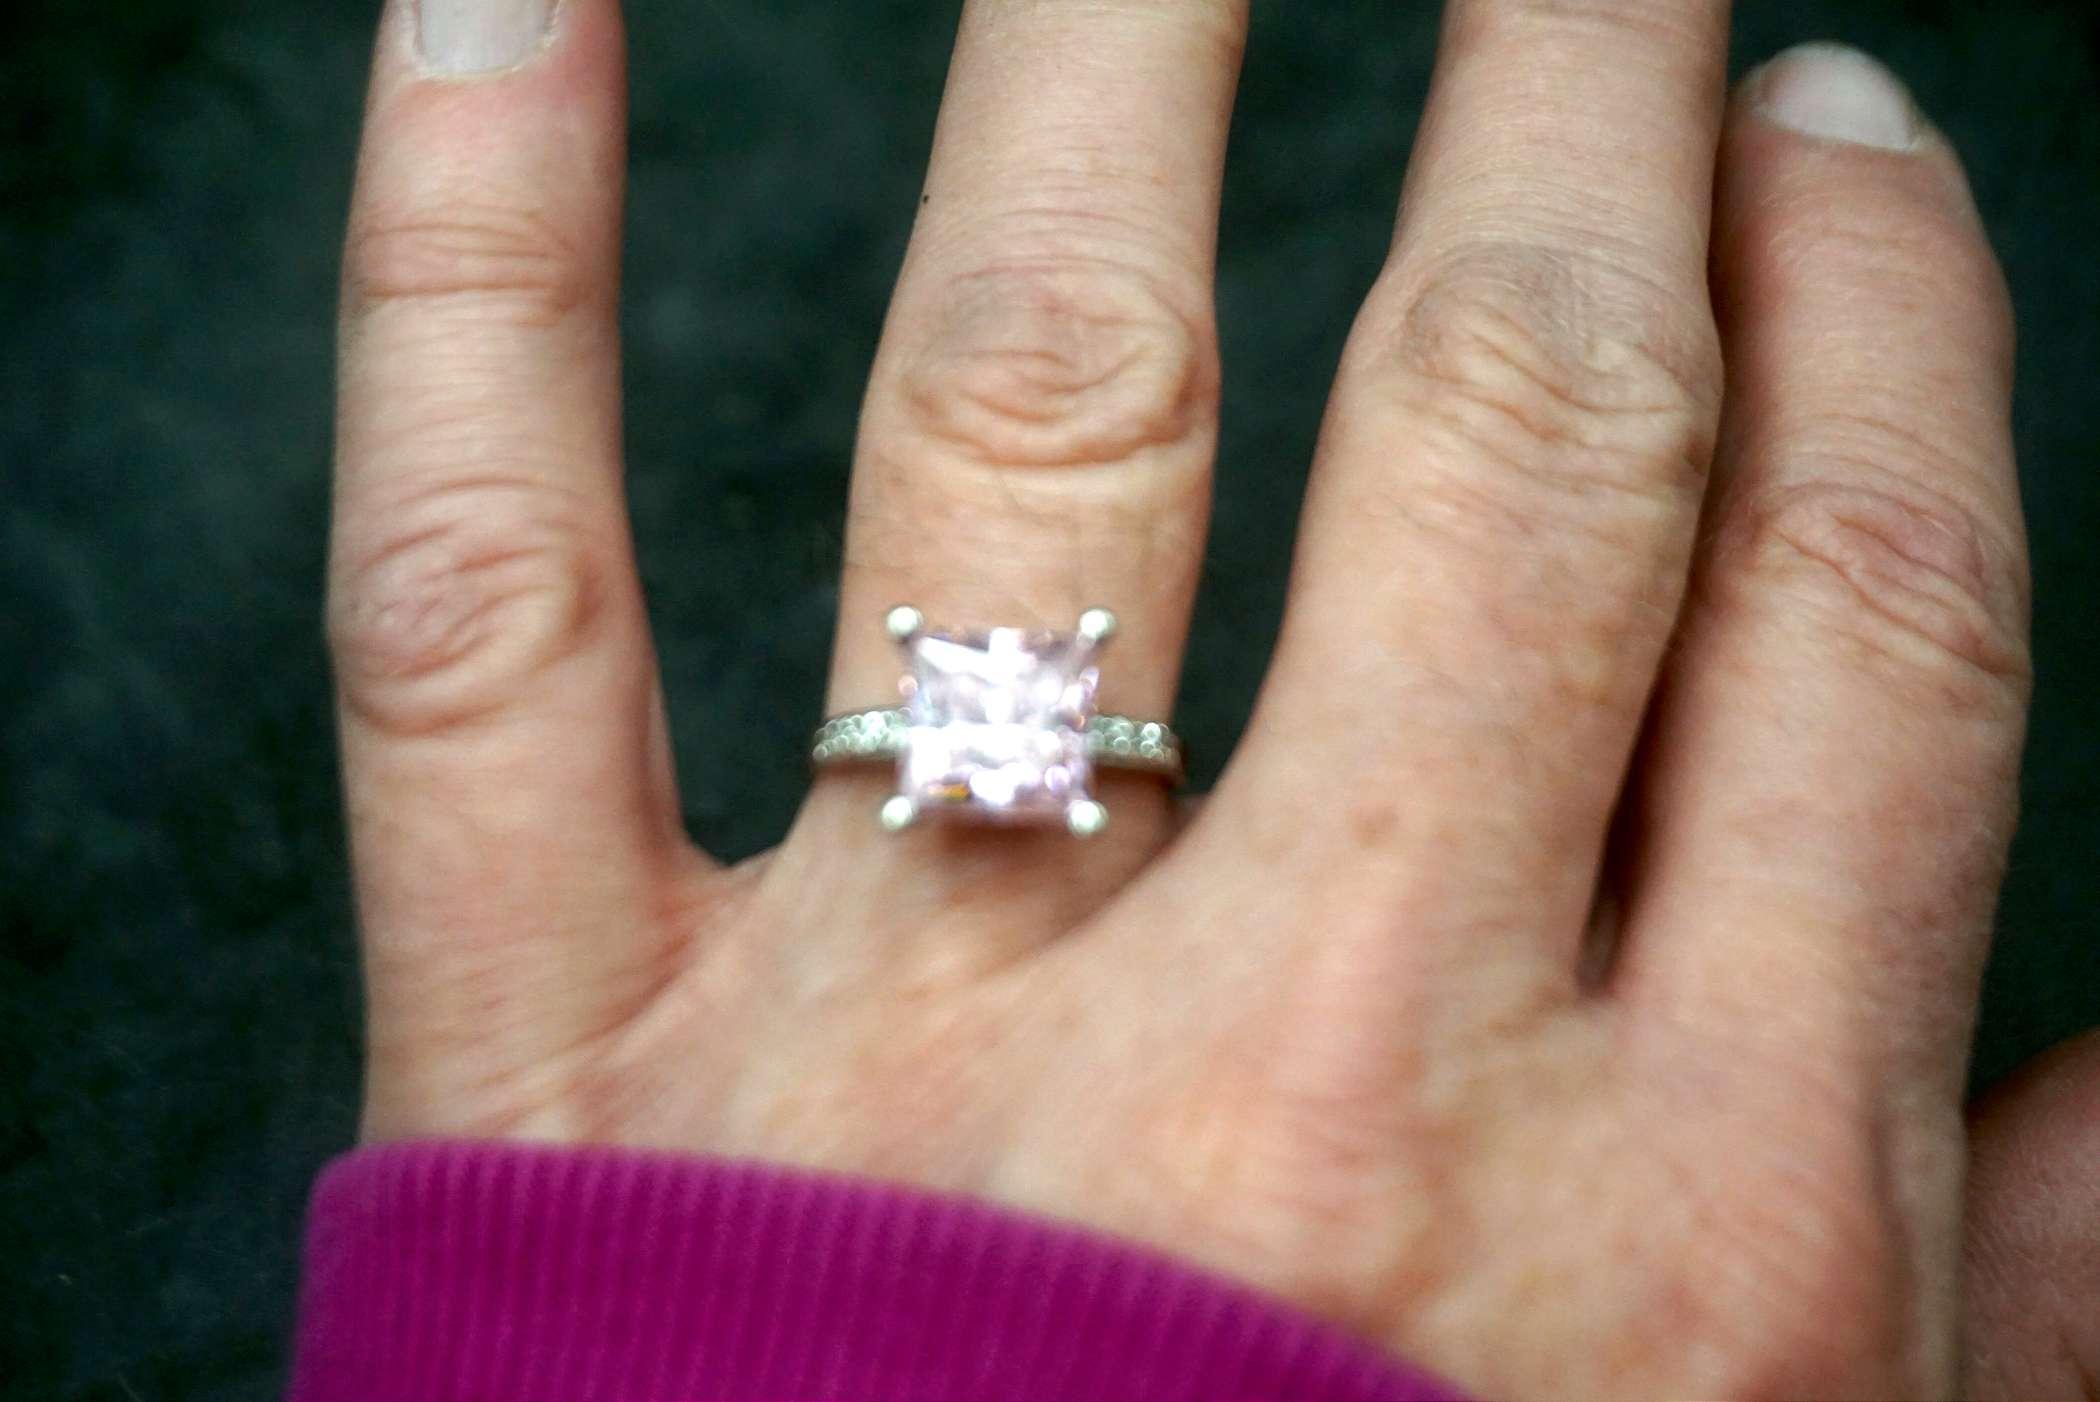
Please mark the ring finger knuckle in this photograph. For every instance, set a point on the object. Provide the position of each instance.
(1060, 364)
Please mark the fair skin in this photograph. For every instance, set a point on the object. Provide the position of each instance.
(1569, 981)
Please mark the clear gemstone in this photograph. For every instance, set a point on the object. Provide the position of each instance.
(997, 724)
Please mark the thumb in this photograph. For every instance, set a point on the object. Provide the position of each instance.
(2031, 1262)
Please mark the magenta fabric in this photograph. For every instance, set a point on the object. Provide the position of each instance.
(443, 1271)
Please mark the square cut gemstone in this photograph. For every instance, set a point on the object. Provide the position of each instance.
(997, 724)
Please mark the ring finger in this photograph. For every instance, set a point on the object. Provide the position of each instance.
(1040, 421)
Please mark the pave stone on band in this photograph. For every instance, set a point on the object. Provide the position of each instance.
(1113, 742)
(999, 726)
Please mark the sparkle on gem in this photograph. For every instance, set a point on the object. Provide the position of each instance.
(997, 724)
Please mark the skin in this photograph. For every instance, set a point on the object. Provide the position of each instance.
(1569, 982)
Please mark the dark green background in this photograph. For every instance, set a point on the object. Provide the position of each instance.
(178, 1014)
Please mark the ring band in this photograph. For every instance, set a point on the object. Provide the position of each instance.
(1112, 742)
(998, 726)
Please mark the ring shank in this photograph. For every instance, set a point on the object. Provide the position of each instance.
(1112, 742)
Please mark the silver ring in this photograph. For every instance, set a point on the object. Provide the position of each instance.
(999, 726)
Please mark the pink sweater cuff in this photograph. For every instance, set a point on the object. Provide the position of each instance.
(443, 1271)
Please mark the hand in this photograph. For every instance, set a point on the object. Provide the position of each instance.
(1569, 981)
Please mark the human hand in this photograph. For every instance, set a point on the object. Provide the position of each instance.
(1568, 983)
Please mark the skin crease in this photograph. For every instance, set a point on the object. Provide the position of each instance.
(1567, 984)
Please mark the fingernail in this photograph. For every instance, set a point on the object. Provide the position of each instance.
(1839, 94)
(480, 36)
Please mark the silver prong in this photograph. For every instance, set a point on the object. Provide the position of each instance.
(1097, 625)
(904, 622)
(899, 813)
(1085, 817)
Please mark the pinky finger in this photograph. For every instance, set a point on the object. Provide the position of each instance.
(1824, 817)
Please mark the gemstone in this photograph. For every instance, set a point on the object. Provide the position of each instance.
(996, 724)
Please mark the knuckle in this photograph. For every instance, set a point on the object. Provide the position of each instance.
(1909, 575)
(470, 593)
(1572, 377)
(1064, 364)
(1909, 251)
(483, 249)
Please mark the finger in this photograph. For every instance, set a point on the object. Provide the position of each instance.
(1823, 822)
(509, 794)
(1505, 491)
(2031, 1269)
(1040, 420)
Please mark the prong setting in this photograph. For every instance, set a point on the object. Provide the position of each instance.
(1085, 817)
(904, 623)
(998, 726)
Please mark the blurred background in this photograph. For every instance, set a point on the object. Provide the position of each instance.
(178, 1001)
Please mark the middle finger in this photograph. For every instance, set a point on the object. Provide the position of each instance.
(1502, 507)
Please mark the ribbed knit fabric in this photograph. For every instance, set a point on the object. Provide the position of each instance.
(507, 1273)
